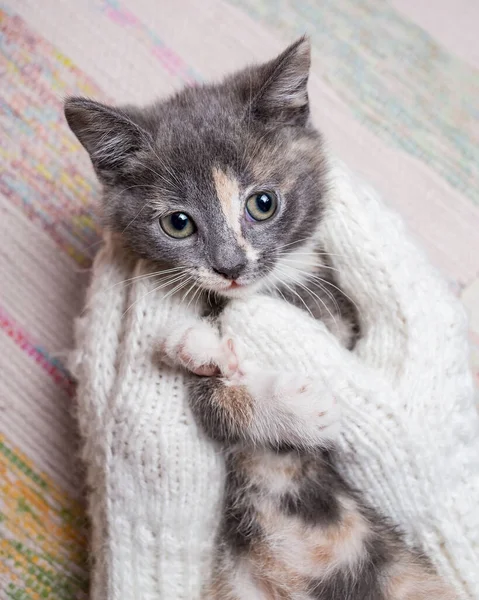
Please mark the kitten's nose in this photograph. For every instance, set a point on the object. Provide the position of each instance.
(232, 271)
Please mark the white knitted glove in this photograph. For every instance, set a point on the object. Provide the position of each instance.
(410, 425)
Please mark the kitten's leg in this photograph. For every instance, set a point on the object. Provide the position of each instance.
(264, 407)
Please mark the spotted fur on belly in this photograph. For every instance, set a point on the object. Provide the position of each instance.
(277, 546)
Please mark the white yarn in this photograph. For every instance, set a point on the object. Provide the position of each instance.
(411, 428)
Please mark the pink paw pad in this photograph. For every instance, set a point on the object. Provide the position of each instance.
(229, 364)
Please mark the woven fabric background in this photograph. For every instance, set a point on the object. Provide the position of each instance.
(395, 87)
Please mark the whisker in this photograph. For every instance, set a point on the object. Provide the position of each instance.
(109, 134)
(94, 245)
(165, 166)
(198, 289)
(146, 276)
(139, 185)
(312, 253)
(339, 290)
(305, 239)
(155, 289)
(176, 289)
(293, 291)
(185, 295)
(248, 125)
(277, 289)
(312, 276)
(293, 262)
(330, 296)
(197, 300)
(294, 242)
(314, 295)
(159, 175)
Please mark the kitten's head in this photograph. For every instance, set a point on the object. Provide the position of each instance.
(225, 181)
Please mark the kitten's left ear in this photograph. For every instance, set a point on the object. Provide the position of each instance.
(281, 94)
(110, 135)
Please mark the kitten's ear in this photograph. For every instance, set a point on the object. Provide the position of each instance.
(281, 94)
(110, 136)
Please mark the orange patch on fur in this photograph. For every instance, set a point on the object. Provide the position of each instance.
(227, 190)
(341, 543)
(237, 401)
(273, 577)
(323, 555)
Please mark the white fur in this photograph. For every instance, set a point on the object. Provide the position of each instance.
(244, 586)
(191, 344)
(271, 470)
(291, 407)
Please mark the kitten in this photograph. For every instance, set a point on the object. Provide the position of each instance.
(226, 185)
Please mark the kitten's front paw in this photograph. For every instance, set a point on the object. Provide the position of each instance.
(195, 347)
(305, 402)
(310, 397)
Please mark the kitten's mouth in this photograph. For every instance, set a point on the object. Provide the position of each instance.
(229, 288)
(232, 286)
(239, 290)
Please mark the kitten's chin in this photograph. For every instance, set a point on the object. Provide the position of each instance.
(239, 290)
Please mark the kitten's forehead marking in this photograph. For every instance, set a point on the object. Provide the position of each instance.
(227, 190)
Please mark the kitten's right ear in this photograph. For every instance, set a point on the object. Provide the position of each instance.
(110, 136)
(281, 94)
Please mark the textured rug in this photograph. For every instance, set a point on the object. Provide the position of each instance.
(395, 87)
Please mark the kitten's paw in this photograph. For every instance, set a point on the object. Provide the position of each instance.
(303, 400)
(195, 347)
(229, 362)
(310, 398)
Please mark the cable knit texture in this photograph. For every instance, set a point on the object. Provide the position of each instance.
(410, 426)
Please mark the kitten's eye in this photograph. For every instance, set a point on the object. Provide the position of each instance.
(178, 225)
(262, 206)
